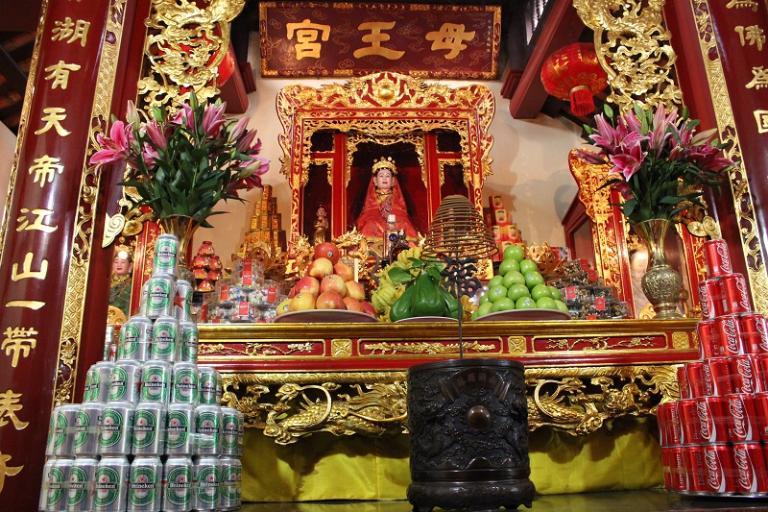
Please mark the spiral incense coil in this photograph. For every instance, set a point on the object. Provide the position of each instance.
(458, 231)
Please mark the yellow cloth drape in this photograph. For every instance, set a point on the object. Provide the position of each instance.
(623, 455)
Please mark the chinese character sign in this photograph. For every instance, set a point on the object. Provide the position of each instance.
(344, 39)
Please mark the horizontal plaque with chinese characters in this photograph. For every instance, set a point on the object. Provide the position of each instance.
(345, 39)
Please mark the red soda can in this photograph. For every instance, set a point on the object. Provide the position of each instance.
(669, 424)
(711, 299)
(689, 421)
(749, 468)
(761, 411)
(711, 412)
(674, 468)
(720, 370)
(741, 418)
(709, 339)
(717, 458)
(697, 380)
(682, 382)
(744, 374)
(729, 332)
(733, 288)
(755, 335)
(761, 369)
(695, 468)
(717, 258)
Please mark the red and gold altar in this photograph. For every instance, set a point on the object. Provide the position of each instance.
(342, 95)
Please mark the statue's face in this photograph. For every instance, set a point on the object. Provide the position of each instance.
(121, 266)
(383, 180)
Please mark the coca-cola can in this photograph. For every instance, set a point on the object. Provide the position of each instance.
(744, 374)
(711, 299)
(760, 401)
(741, 418)
(717, 464)
(750, 472)
(682, 382)
(761, 368)
(755, 335)
(689, 420)
(717, 258)
(720, 371)
(709, 339)
(711, 412)
(697, 379)
(733, 288)
(669, 424)
(729, 334)
(695, 468)
(675, 477)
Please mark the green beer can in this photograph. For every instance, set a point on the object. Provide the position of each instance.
(230, 429)
(166, 253)
(209, 384)
(181, 418)
(185, 384)
(183, 309)
(116, 427)
(145, 485)
(188, 342)
(80, 493)
(156, 381)
(177, 484)
(111, 484)
(207, 430)
(85, 441)
(165, 332)
(206, 487)
(149, 429)
(160, 293)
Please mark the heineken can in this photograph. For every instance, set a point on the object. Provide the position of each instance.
(229, 487)
(125, 382)
(209, 382)
(183, 308)
(135, 338)
(42, 504)
(149, 429)
(81, 477)
(116, 426)
(240, 433)
(206, 486)
(185, 384)
(110, 340)
(230, 431)
(177, 484)
(111, 484)
(85, 439)
(160, 292)
(144, 298)
(145, 485)
(207, 430)
(188, 342)
(51, 430)
(56, 484)
(181, 419)
(164, 335)
(166, 252)
(63, 430)
(97, 382)
(156, 381)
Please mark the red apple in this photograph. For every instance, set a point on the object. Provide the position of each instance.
(355, 290)
(327, 250)
(353, 304)
(320, 268)
(344, 270)
(333, 283)
(368, 308)
(302, 301)
(329, 300)
(307, 284)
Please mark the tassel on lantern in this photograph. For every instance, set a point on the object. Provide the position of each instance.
(582, 101)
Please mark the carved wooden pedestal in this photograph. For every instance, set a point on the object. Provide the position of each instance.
(469, 435)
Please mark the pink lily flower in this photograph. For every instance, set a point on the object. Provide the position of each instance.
(239, 128)
(149, 155)
(213, 119)
(156, 135)
(115, 147)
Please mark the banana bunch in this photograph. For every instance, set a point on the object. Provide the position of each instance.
(388, 292)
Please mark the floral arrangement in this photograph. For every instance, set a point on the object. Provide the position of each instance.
(660, 161)
(183, 163)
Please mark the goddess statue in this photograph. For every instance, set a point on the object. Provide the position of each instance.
(321, 225)
(383, 198)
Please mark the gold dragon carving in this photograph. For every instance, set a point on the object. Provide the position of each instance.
(633, 47)
(577, 400)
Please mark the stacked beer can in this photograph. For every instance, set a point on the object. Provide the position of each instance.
(714, 438)
(150, 434)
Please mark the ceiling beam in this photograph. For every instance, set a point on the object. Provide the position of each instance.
(561, 27)
(15, 77)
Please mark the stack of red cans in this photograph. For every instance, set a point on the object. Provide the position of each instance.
(715, 438)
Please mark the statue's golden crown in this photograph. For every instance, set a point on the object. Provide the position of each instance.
(384, 162)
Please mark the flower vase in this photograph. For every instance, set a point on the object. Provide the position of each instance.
(661, 283)
(184, 228)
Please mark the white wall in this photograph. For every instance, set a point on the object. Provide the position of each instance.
(530, 167)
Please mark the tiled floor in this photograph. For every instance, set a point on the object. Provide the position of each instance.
(636, 501)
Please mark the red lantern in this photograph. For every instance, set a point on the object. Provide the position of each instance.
(573, 72)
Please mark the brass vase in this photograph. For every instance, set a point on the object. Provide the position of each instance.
(184, 228)
(661, 283)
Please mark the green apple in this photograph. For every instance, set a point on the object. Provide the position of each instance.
(555, 293)
(474, 315)
(528, 266)
(546, 303)
(497, 292)
(514, 252)
(508, 265)
(484, 309)
(525, 303)
(533, 278)
(513, 277)
(503, 304)
(518, 290)
(561, 306)
(539, 291)
(495, 281)
(484, 298)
